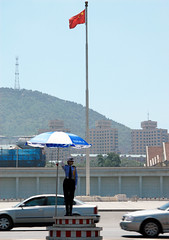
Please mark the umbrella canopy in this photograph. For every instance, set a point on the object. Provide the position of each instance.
(58, 139)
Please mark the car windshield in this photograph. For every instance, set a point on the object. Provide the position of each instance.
(17, 205)
(164, 207)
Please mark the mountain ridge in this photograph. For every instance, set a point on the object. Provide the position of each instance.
(23, 112)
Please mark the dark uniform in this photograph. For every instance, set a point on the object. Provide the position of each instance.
(69, 185)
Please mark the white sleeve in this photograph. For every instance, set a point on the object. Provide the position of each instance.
(62, 164)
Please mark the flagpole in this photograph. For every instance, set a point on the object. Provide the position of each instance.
(87, 109)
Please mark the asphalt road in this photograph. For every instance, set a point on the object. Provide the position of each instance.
(109, 222)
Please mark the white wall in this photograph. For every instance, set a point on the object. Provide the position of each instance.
(141, 182)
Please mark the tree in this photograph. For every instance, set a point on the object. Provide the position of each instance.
(101, 160)
(112, 160)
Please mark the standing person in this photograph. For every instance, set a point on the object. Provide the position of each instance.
(69, 184)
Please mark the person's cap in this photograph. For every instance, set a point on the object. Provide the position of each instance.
(70, 159)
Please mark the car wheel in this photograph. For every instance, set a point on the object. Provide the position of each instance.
(150, 229)
(5, 223)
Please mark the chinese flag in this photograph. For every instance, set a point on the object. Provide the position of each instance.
(78, 19)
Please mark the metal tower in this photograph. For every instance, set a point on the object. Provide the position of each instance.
(17, 86)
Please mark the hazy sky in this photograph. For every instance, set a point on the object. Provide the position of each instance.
(128, 54)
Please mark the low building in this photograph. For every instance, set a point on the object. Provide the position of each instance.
(157, 155)
(12, 156)
(136, 157)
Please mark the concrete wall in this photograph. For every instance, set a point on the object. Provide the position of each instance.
(143, 182)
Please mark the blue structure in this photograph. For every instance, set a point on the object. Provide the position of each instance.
(33, 157)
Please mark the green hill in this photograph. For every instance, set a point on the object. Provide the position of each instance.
(23, 112)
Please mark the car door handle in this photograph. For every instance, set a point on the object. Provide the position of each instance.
(40, 210)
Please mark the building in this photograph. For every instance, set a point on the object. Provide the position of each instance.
(149, 135)
(14, 156)
(157, 156)
(55, 125)
(103, 137)
(52, 153)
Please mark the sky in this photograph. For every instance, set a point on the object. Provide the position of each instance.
(128, 47)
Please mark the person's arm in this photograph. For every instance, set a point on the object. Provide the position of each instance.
(63, 165)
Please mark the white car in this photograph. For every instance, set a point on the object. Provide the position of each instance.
(39, 211)
(150, 223)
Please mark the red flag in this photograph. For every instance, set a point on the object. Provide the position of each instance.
(78, 19)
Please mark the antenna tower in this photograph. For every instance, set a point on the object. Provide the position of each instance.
(17, 86)
(148, 116)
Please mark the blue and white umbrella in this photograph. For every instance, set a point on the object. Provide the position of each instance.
(57, 140)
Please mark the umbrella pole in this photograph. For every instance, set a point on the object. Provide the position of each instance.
(57, 164)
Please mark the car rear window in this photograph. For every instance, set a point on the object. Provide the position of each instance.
(51, 200)
(60, 201)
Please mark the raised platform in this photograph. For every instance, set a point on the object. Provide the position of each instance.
(74, 227)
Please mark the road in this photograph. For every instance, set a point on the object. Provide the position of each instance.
(109, 222)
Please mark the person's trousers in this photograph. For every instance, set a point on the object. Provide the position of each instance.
(69, 190)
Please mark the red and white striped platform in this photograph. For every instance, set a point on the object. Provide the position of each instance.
(74, 227)
(75, 220)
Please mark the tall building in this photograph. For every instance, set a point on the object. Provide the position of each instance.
(55, 125)
(149, 135)
(103, 137)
